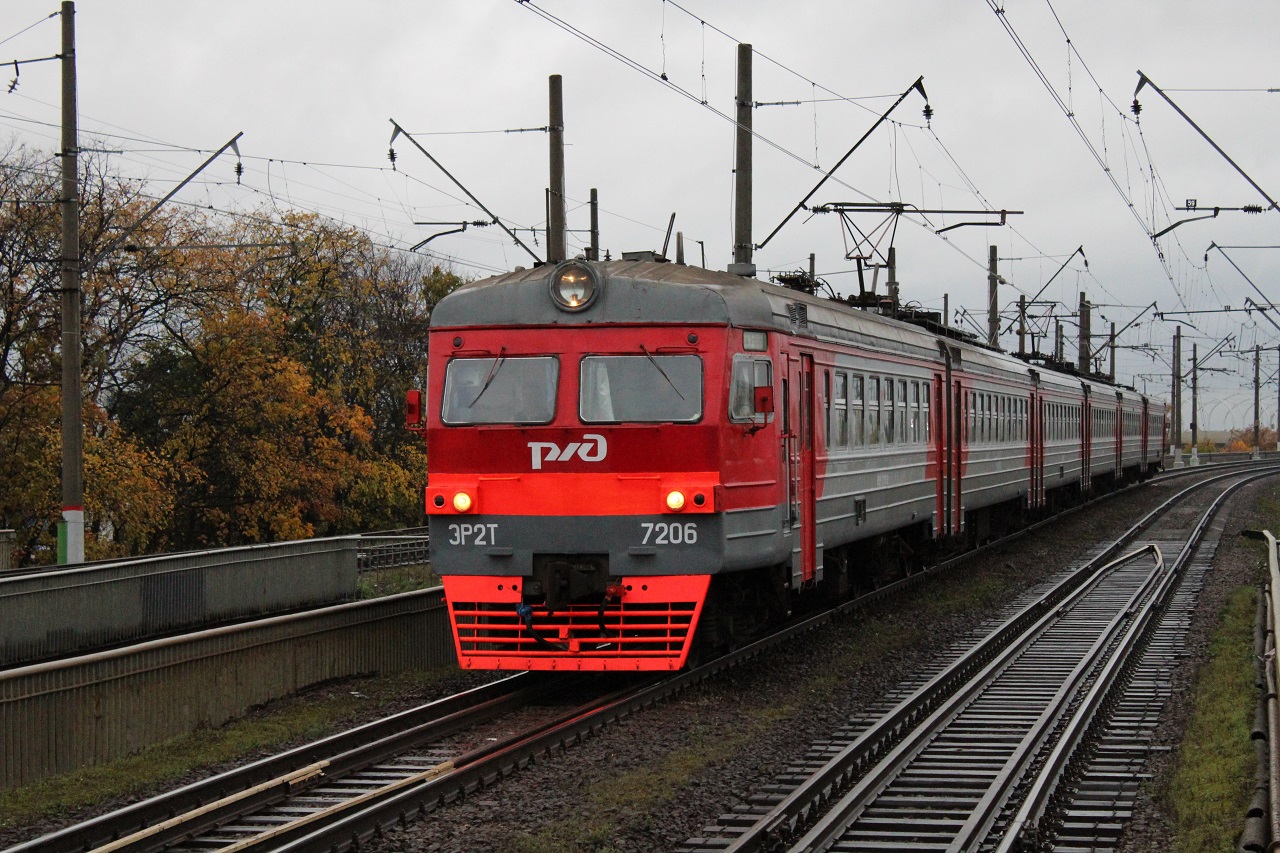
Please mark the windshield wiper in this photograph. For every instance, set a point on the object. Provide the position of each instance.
(660, 370)
(493, 372)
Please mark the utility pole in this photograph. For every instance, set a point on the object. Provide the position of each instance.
(594, 251)
(946, 315)
(742, 247)
(1084, 357)
(1177, 397)
(1195, 399)
(555, 202)
(71, 531)
(993, 306)
(893, 277)
(1059, 345)
(1257, 396)
(1111, 373)
(1022, 324)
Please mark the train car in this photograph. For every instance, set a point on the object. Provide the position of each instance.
(626, 454)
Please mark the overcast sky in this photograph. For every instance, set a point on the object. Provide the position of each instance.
(313, 85)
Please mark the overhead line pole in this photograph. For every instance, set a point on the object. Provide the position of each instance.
(742, 165)
(1177, 396)
(71, 530)
(556, 243)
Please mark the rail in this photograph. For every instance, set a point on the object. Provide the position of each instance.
(787, 814)
(1262, 822)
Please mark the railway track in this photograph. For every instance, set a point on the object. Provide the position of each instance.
(331, 794)
(1032, 736)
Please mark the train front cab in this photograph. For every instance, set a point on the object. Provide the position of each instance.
(584, 536)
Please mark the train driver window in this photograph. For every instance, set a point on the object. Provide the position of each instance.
(749, 374)
(500, 390)
(640, 388)
(857, 429)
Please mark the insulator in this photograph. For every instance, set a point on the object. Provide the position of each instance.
(239, 171)
(1136, 108)
(391, 155)
(928, 112)
(1252, 208)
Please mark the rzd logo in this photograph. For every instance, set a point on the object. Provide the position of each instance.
(592, 448)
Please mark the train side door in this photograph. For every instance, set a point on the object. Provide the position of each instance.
(1035, 408)
(1086, 442)
(1146, 433)
(798, 408)
(956, 459)
(805, 486)
(950, 437)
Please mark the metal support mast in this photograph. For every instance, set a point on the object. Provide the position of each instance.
(71, 531)
(1195, 399)
(555, 203)
(1177, 397)
(1022, 324)
(1085, 356)
(593, 254)
(1111, 372)
(742, 248)
(993, 306)
(1257, 401)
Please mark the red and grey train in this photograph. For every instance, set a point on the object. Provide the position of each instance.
(626, 453)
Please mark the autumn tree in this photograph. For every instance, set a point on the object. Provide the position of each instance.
(30, 365)
(235, 394)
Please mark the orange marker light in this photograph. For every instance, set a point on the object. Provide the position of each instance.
(675, 500)
(462, 502)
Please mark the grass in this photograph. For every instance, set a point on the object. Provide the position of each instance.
(1210, 790)
(376, 583)
(311, 715)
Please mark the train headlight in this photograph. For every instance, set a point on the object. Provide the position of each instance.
(462, 501)
(675, 500)
(574, 286)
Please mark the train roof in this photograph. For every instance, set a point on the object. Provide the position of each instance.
(646, 291)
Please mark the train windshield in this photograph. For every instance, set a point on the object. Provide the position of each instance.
(500, 390)
(640, 388)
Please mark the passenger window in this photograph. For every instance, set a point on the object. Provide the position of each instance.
(873, 410)
(915, 413)
(888, 412)
(855, 413)
(840, 411)
(925, 393)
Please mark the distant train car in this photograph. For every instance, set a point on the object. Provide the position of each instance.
(628, 453)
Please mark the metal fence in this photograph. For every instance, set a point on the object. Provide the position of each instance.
(394, 548)
(68, 610)
(59, 716)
